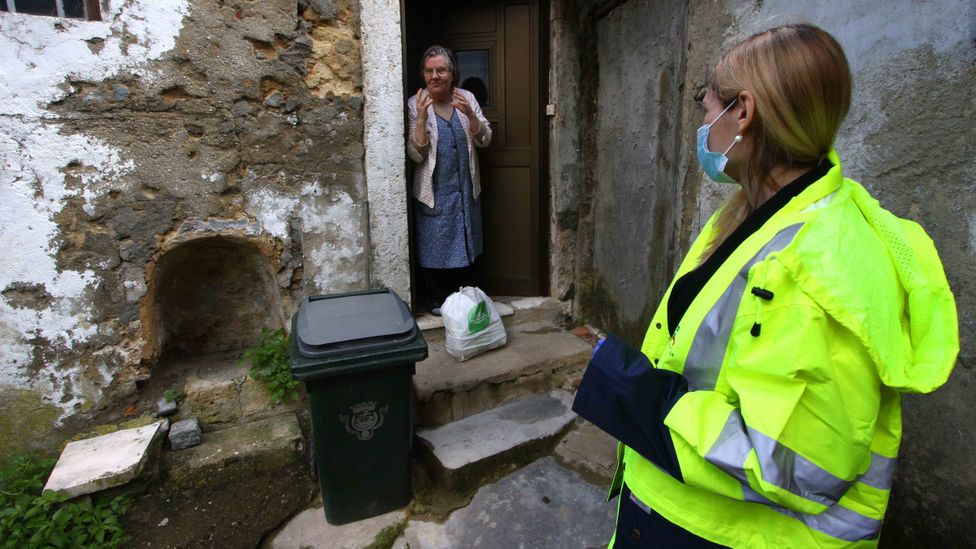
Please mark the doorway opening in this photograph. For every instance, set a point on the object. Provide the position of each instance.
(502, 52)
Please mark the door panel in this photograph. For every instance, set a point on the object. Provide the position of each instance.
(507, 32)
(512, 187)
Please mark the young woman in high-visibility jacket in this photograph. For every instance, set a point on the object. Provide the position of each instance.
(764, 406)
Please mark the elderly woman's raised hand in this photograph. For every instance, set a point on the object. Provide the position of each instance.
(423, 101)
(461, 104)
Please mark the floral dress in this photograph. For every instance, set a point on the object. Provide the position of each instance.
(449, 235)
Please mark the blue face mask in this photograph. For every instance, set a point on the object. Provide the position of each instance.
(712, 163)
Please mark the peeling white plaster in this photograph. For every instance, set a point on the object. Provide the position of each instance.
(40, 55)
(271, 210)
(337, 216)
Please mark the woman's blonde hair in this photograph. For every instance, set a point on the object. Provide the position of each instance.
(801, 82)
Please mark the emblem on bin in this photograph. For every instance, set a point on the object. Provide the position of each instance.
(365, 419)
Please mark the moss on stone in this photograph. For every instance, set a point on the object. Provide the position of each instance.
(25, 419)
(140, 421)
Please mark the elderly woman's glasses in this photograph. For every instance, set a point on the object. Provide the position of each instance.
(438, 71)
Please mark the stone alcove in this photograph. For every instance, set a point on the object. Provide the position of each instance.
(213, 294)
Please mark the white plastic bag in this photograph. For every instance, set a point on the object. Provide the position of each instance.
(471, 323)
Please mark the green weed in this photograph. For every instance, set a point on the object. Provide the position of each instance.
(270, 365)
(31, 517)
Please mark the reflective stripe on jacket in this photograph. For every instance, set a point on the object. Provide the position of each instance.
(795, 354)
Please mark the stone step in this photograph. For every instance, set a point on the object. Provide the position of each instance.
(537, 358)
(462, 454)
(590, 452)
(513, 310)
(219, 392)
(236, 486)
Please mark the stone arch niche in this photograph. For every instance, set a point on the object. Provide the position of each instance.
(213, 294)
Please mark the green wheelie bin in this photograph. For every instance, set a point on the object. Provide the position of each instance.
(356, 353)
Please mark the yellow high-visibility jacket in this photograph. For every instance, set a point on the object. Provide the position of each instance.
(788, 435)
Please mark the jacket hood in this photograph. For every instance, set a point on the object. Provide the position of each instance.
(902, 309)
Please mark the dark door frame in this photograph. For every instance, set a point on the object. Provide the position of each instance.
(543, 251)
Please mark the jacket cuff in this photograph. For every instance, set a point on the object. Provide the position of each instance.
(622, 394)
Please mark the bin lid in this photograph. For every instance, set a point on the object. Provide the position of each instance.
(355, 322)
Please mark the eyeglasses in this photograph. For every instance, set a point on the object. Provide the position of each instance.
(441, 71)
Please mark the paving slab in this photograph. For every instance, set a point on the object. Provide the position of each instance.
(310, 530)
(538, 357)
(95, 464)
(543, 505)
(478, 437)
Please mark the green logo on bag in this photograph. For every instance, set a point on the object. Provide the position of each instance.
(478, 318)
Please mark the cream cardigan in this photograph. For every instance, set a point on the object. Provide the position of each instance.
(423, 173)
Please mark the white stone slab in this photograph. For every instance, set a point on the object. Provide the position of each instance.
(94, 464)
(309, 530)
(530, 302)
(483, 435)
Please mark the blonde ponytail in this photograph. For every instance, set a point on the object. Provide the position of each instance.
(801, 82)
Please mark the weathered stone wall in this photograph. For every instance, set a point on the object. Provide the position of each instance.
(616, 156)
(909, 138)
(214, 147)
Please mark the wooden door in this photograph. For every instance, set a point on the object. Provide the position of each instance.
(497, 45)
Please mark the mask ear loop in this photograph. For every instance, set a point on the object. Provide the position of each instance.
(723, 112)
(738, 139)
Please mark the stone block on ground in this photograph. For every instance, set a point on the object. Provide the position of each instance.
(95, 464)
(310, 530)
(165, 407)
(536, 309)
(467, 450)
(185, 434)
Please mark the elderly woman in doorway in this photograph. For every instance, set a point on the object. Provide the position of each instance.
(764, 407)
(446, 124)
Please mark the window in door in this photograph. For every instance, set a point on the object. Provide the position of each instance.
(475, 71)
(74, 9)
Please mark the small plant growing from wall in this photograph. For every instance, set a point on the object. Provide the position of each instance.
(173, 395)
(31, 517)
(269, 365)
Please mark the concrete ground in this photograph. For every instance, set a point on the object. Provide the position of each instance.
(541, 505)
